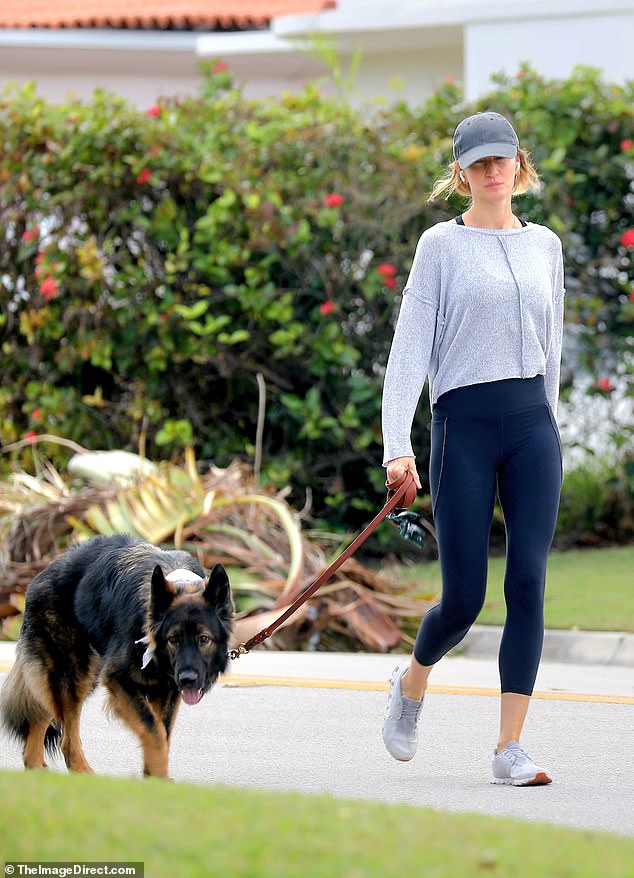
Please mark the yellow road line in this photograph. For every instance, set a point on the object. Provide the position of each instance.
(238, 680)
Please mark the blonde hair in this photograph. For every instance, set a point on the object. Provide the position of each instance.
(527, 179)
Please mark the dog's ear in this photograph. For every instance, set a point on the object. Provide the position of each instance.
(218, 591)
(162, 595)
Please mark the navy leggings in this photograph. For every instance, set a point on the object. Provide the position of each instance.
(487, 438)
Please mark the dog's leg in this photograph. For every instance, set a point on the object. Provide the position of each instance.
(167, 708)
(34, 745)
(140, 716)
(71, 740)
(28, 708)
(73, 689)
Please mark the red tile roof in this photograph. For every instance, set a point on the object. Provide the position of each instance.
(155, 14)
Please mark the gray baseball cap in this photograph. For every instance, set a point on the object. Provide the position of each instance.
(483, 135)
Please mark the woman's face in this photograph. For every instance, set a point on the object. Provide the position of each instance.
(491, 179)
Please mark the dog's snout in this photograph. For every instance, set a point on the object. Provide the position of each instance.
(187, 678)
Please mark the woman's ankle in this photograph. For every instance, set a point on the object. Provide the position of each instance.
(415, 693)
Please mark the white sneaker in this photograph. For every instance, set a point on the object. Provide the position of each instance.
(514, 766)
(400, 726)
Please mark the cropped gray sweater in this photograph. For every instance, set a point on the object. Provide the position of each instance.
(479, 305)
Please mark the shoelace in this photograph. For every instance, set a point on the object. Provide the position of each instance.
(519, 755)
(411, 708)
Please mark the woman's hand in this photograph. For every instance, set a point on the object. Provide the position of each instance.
(395, 468)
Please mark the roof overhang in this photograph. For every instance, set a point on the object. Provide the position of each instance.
(99, 40)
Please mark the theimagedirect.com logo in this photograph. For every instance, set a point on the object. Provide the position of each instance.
(64, 870)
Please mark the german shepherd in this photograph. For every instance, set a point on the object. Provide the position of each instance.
(139, 620)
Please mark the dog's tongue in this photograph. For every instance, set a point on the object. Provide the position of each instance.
(191, 696)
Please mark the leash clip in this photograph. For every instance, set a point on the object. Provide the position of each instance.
(239, 650)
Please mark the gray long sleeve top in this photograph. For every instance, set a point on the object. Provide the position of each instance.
(479, 305)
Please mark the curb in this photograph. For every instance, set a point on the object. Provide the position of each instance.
(614, 648)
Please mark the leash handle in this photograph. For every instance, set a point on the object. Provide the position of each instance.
(396, 493)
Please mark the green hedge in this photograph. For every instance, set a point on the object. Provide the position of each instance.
(153, 264)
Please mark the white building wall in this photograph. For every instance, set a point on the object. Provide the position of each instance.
(553, 46)
(64, 74)
(410, 76)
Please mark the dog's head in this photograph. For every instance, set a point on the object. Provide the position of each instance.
(190, 624)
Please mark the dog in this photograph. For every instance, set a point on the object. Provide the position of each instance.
(141, 621)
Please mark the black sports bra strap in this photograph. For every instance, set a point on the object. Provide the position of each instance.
(460, 221)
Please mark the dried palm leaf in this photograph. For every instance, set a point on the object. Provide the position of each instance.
(219, 515)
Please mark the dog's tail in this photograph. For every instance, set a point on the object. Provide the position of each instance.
(21, 708)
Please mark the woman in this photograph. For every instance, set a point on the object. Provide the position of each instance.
(482, 318)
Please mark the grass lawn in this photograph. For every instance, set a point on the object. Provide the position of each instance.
(589, 589)
(202, 832)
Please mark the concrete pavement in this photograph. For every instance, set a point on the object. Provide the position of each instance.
(312, 722)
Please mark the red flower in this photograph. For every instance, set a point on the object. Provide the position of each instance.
(154, 110)
(631, 295)
(386, 269)
(604, 384)
(333, 200)
(520, 74)
(219, 67)
(327, 307)
(36, 414)
(144, 176)
(31, 234)
(49, 289)
(626, 145)
(389, 282)
(30, 436)
(627, 238)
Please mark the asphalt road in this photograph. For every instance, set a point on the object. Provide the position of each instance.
(312, 723)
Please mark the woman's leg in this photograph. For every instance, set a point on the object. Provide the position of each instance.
(414, 680)
(513, 710)
(463, 484)
(529, 487)
(462, 477)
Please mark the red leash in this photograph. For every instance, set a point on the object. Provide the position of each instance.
(402, 489)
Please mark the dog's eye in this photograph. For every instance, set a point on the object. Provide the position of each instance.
(203, 639)
(173, 639)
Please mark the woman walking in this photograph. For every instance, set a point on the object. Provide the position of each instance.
(482, 319)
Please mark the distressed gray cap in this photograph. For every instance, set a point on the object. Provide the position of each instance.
(483, 135)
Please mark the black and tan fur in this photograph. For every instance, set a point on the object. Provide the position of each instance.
(96, 615)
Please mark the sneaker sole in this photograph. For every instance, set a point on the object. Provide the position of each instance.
(398, 758)
(540, 779)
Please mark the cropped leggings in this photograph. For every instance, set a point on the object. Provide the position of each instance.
(487, 438)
